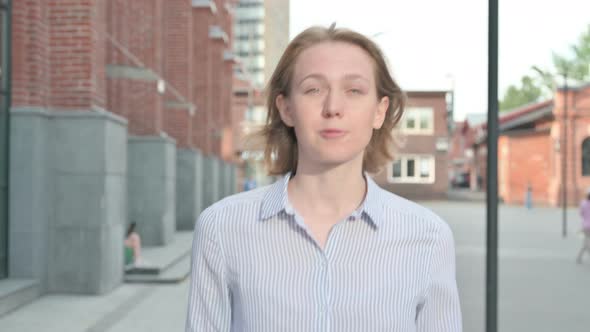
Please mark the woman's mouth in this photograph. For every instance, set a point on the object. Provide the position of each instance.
(332, 133)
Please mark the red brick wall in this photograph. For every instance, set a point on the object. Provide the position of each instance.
(215, 128)
(30, 53)
(77, 54)
(202, 78)
(136, 26)
(58, 54)
(578, 129)
(524, 160)
(62, 50)
(178, 69)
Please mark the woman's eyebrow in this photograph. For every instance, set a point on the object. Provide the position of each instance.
(316, 76)
(347, 77)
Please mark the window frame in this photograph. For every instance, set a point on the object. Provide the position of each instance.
(417, 160)
(416, 114)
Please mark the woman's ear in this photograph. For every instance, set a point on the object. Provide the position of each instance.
(381, 112)
(282, 104)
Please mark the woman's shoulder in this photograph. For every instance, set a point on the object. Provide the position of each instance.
(394, 204)
(249, 200)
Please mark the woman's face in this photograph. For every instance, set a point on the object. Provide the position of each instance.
(333, 104)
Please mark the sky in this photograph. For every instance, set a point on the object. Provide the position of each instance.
(433, 44)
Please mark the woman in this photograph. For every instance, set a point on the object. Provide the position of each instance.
(585, 214)
(132, 246)
(325, 248)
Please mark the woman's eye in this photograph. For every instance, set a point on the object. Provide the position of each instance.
(312, 91)
(355, 91)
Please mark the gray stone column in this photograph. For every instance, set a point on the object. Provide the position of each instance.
(218, 166)
(152, 188)
(29, 197)
(68, 199)
(233, 179)
(189, 170)
(228, 185)
(222, 179)
(210, 181)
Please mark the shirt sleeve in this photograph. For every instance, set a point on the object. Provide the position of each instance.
(441, 310)
(209, 305)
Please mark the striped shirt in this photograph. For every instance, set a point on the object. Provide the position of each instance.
(389, 266)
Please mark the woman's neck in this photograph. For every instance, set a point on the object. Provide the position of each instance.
(335, 192)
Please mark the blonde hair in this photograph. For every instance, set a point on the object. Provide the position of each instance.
(280, 151)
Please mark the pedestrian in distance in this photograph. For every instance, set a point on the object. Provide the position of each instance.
(324, 248)
(132, 246)
(528, 197)
(585, 214)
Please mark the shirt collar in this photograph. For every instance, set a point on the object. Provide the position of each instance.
(276, 200)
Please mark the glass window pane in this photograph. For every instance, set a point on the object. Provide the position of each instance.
(397, 169)
(411, 168)
(425, 167)
(424, 120)
(410, 122)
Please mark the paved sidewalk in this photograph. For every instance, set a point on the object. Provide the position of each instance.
(541, 288)
(97, 313)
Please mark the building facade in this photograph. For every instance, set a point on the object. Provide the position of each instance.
(461, 174)
(420, 169)
(119, 111)
(543, 147)
(262, 34)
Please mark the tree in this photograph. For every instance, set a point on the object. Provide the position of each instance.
(515, 96)
(576, 65)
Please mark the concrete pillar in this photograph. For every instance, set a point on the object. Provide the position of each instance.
(29, 195)
(68, 199)
(152, 188)
(210, 181)
(233, 179)
(222, 179)
(189, 170)
(228, 185)
(89, 201)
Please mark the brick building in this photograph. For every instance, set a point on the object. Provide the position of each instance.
(262, 34)
(117, 110)
(420, 169)
(463, 136)
(537, 143)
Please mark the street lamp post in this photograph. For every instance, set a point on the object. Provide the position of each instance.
(564, 159)
(492, 173)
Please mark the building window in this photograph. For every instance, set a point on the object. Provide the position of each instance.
(397, 169)
(586, 157)
(418, 121)
(246, 48)
(412, 169)
(256, 115)
(250, 13)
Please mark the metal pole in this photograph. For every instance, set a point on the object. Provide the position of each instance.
(7, 87)
(492, 172)
(564, 159)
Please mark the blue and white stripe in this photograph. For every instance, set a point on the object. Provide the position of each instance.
(390, 266)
